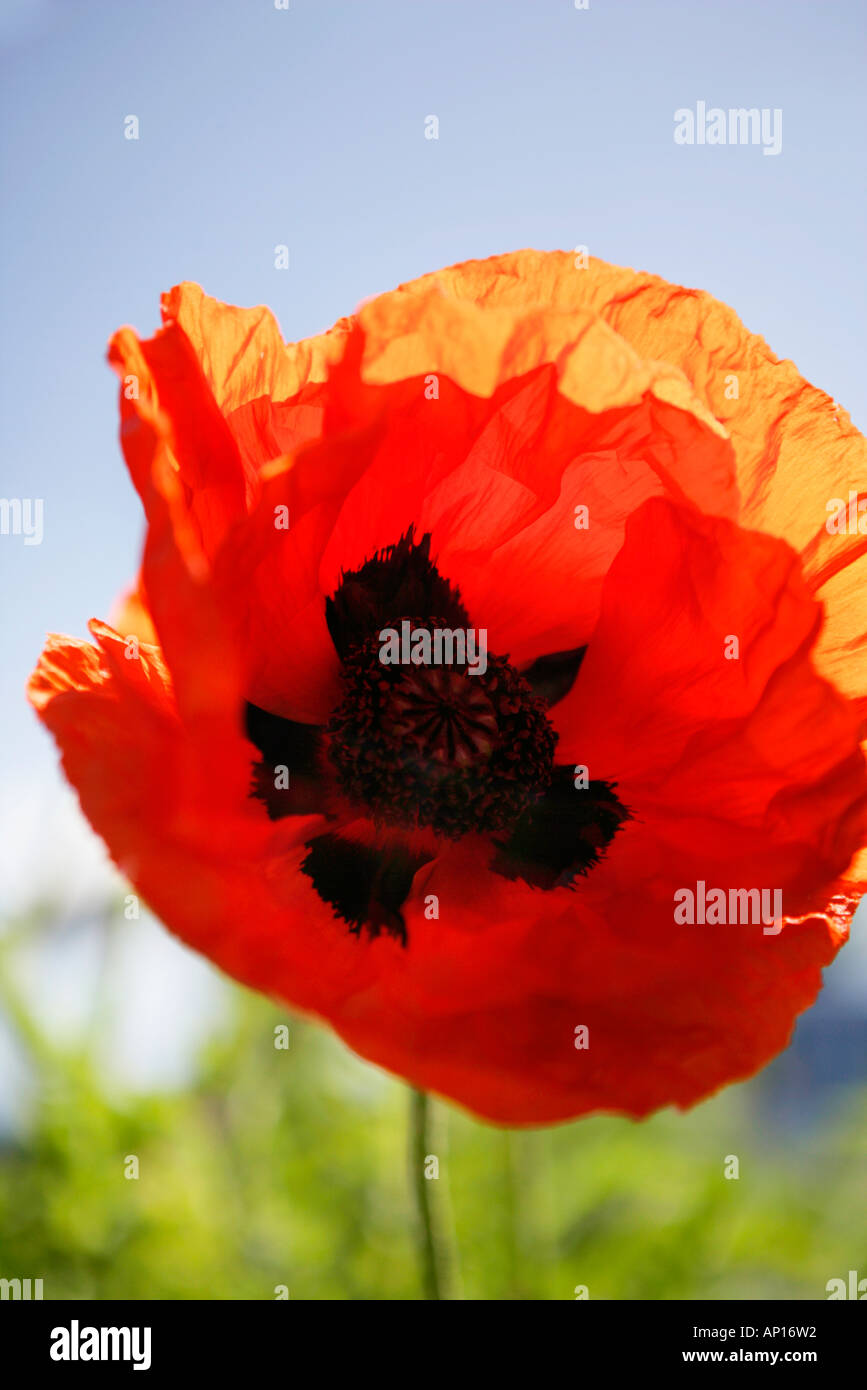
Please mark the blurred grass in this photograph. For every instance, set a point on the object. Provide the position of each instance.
(289, 1167)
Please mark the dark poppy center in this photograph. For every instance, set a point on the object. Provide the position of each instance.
(434, 734)
(443, 744)
(443, 715)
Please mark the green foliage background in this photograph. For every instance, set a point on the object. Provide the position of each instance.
(289, 1167)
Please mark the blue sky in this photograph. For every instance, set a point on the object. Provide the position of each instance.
(306, 127)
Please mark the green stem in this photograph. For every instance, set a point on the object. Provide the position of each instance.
(510, 1213)
(427, 1234)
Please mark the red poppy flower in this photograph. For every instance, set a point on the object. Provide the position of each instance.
(473, 875)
